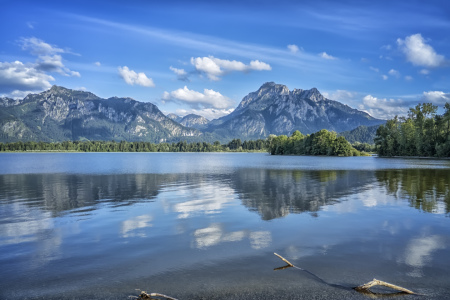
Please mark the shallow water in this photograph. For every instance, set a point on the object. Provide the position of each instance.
(205, 225)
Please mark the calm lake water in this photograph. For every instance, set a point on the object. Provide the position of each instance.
(206, 225)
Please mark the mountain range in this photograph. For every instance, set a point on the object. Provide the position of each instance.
(60, 114)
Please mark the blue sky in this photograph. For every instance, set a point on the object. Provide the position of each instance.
(204, 56)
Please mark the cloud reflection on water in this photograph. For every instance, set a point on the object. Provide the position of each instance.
(215, 234)
(419, 252)
(130, 227)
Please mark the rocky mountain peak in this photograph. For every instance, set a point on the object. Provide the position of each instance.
(174, 117)
(194, 121)
(5, 101)
(313, 94)
(273, 88)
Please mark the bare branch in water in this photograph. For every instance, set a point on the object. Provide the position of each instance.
(361, 288)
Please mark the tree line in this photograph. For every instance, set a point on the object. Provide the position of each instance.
(323, 142)
(124, 146)
(422, 132)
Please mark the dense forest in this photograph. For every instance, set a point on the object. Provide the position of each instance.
(323, 142)
(124, 146)
(422, 132)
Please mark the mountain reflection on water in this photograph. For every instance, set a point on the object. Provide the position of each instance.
(202, 226)
(426, 189)
(270, 193)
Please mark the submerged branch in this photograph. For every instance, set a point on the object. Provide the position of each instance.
(375, 282)
(145, 295)
(364, 289)
(284, 259)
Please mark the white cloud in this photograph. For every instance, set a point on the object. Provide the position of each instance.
(38, 47)
(181, 73)
(16, 94)
(49, 59)
(436, 97)
(216, 67)
(408, 78)
(293, 48)
(424, 72)
(374, 69)
(393, 72)
(208, 113)
(327, 56)
(22, 77)
(97, 63)
(351, 98)
(340, 95)
(259, 66)
(207, 99)
(418, 52)
(385, 77)
(383, 108)
(132, 78)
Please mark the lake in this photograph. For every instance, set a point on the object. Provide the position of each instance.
(206, 225)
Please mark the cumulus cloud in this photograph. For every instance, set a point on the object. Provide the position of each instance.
(394, 73)
(293, 48)
(18, 78)
(207, 99)
(340, 95)
(383, 108)
(97, 63)
(418, 52)
(208, 113)
(49, 57)
(16, 94)
(181, 73)
(436, 97)
(39, 47)
(385, 77)
(327, 56)
(132, 78)
(216, 67)
(22, 77)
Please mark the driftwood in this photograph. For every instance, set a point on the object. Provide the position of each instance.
(145, 295)
(375, 282)
(364, 289)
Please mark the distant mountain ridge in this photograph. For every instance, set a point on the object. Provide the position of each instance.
(274, 109)
(63, 114)
(60, 114)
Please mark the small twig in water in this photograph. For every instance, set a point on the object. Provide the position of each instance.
(375, 282)
(361, 288)
(145, 295)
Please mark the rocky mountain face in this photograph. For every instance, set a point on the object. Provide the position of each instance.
(5, 102)
(194, 121)
(175, 117)
(63, 114)
(274, 109)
